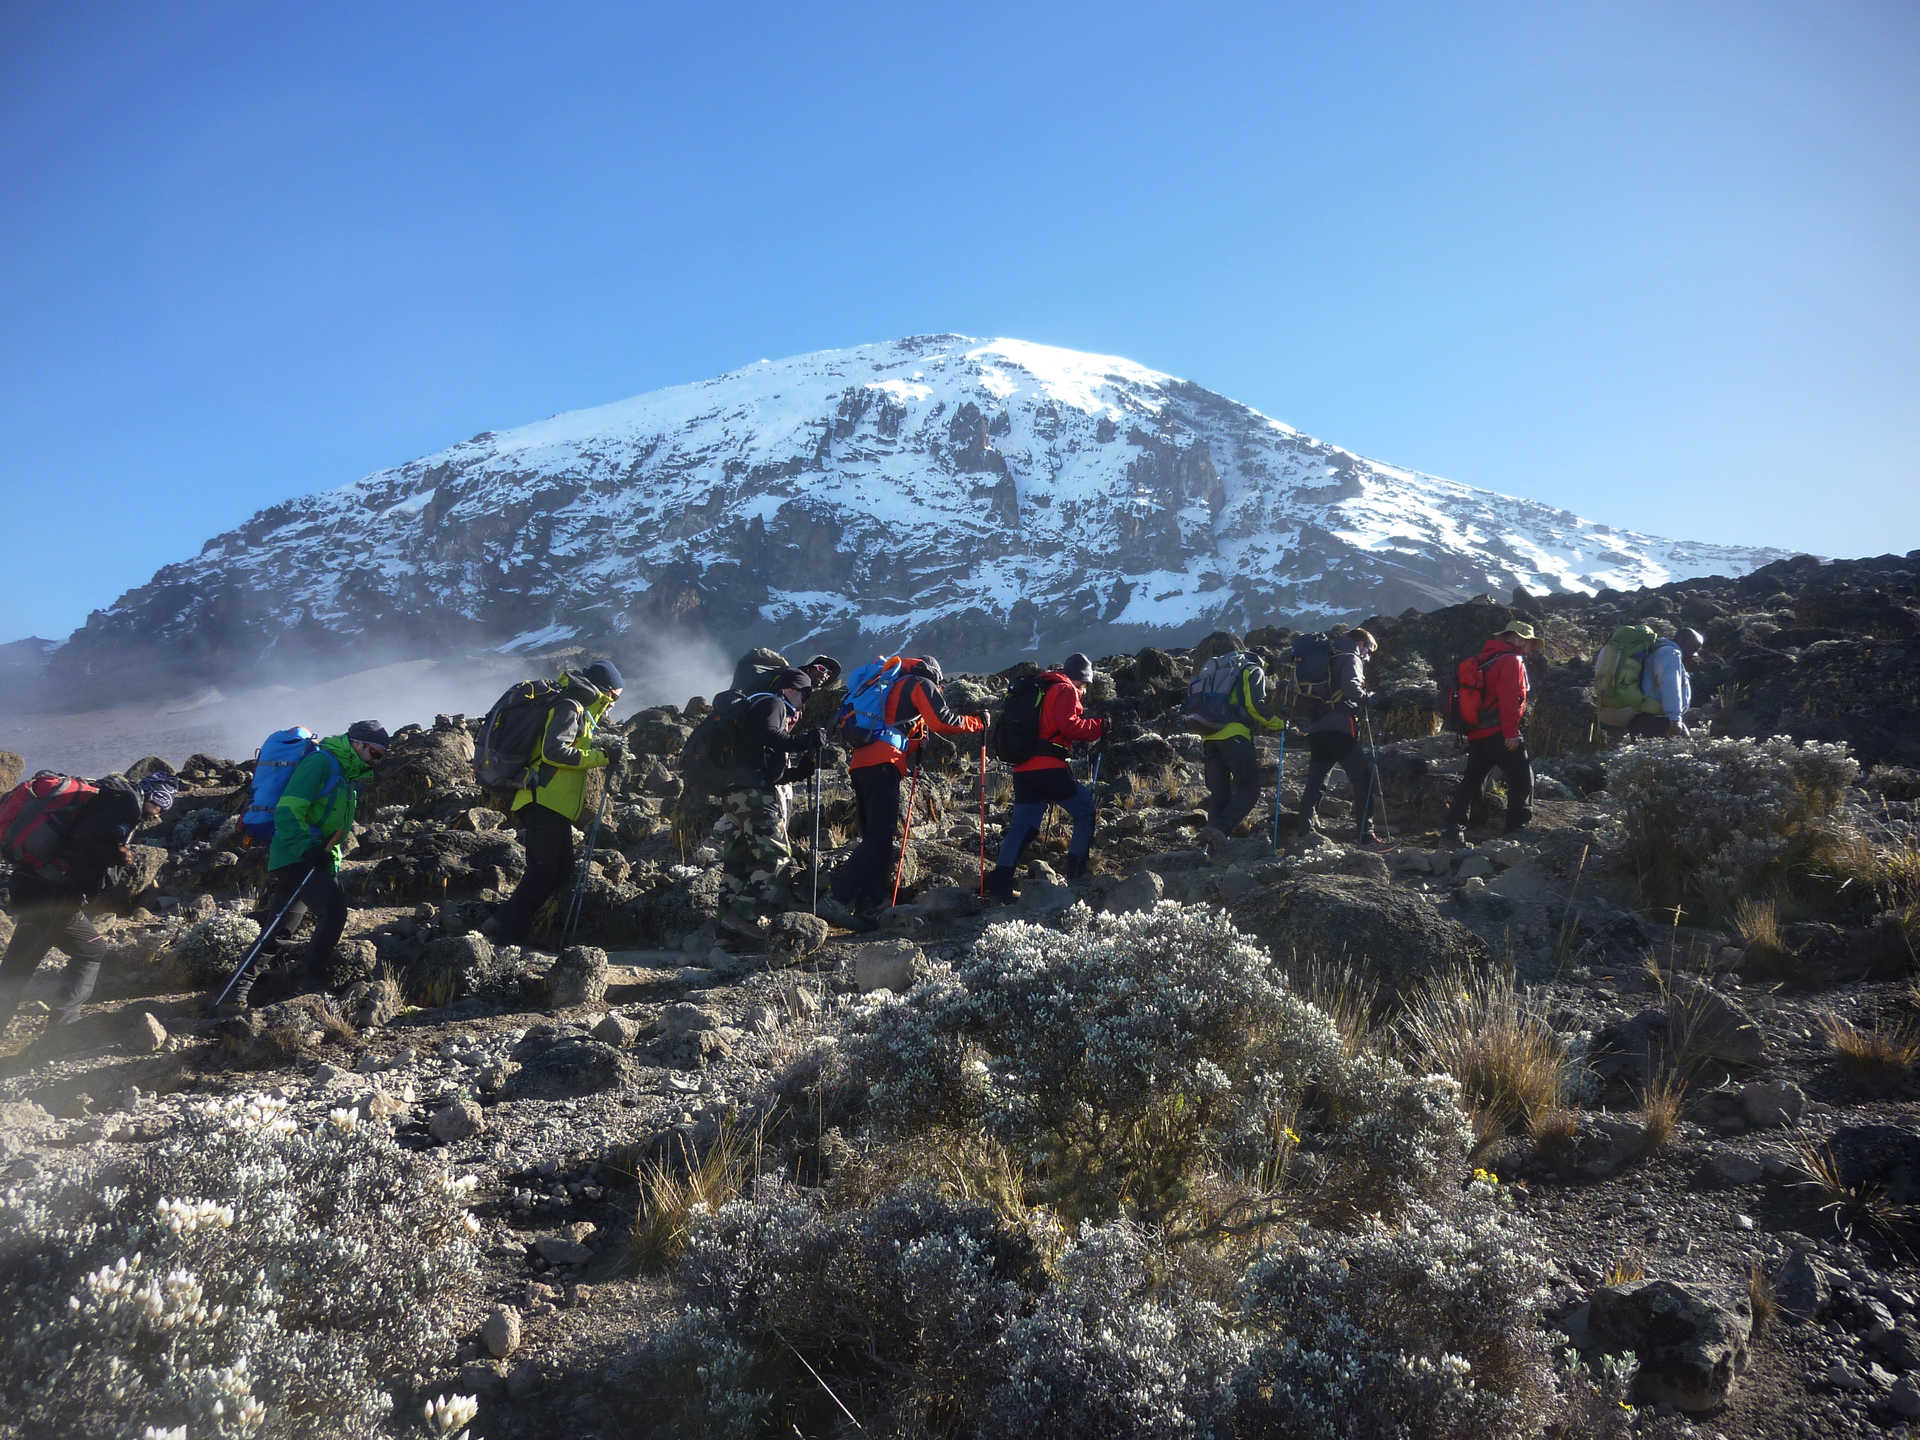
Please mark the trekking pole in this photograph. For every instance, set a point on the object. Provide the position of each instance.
(1379, 786)
(266, 934)
(983, 814)
(1280, 774)
(900, 865)
(586, 856)
(813, 781)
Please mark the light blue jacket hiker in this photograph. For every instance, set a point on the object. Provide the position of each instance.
(1664, 678)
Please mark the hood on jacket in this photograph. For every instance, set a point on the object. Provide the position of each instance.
(351, 765)
(580, 688)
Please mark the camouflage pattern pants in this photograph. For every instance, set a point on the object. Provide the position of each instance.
(755, 858)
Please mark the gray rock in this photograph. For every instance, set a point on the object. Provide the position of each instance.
(1769, 1104)
(795, 936)
(1730, 1167)
(685, 1018)
(1691, 1351)
(1396, 934)
(578, 977)
(886, 965)
(501, 1333)
(451, 968)
(556, 1065)
(1702, 1023)
(1476, 867)
(149, 1035)
(1803, 1287)
(1141, 890)
(1904, 1398)
(461, 1120)
(370, 1004)
(560, 1250)
(1898, 1345)
(616, 1030)
(523, 1381)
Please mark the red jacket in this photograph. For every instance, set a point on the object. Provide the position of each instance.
(929, 712)
(1061, 724)
(1503, 668)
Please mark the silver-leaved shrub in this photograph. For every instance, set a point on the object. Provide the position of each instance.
(1708, 821)
(248, 1278)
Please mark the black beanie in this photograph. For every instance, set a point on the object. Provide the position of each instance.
(368, 732)
(605, 675)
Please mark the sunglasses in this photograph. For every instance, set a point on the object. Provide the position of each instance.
(375, 753)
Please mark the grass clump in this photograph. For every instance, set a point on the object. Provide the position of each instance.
(1882, 1055)
(1481, 1028)
(676, 1185)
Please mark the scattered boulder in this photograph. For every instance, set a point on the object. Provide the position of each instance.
(886, 965)
(1770, 1104)
(559, 1065)
(12, 767)
(578, 977)
(794, 936)
(1691, 1351)
(1704, 1024)
(211, 951)
(616, 1030)
(461, 1120)
(501, 1333)
(149, 1035)
(1398, 935)
(452, 967)
(1139, 891)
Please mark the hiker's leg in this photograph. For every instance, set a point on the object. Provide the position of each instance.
(868, 872)
(1480, 763)
(1217, 766)
(1358, 763)
(86, 952)
(1079, 805)
(1243, 761)
(1323, 752)
(1518, 765)
(33, 936)
(329, 903)
(548, 839)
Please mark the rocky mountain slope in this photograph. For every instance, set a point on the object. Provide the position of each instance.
(1691, 1139)
(978, 499)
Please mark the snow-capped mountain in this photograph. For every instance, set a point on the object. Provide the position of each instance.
(975, 499)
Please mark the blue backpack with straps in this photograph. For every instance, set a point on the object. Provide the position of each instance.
(272, 769)
(863, 715)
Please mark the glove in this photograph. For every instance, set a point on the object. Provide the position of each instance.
(822, 742)
(1106, 727)
(613, 747)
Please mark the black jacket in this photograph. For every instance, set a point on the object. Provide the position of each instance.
(90, 848)
(768, 754)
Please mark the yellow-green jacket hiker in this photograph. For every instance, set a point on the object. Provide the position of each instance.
(547, 808)
(1232, 764)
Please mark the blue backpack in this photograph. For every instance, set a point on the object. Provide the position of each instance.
(863, 715)
(272, 769)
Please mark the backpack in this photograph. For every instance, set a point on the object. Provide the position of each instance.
(713, 758)
(1617, 674)
(1465, 697)
(863, 714)
(504, 756)
(35, 816)
(1211, 694)
(758, 669)
(273, 766)
(1014, 736)
(1306, 681)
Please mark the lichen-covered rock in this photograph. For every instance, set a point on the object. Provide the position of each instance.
(452, 967)
(559, 1065)
(578, 977)
(1691, 1350)
(211, 951)
(794, 936)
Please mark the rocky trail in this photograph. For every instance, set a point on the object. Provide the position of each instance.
(1723, 1168)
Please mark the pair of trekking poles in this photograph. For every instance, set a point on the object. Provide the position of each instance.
(1373, 755)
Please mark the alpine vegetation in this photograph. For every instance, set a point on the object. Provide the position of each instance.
(249, 1278)
(1193, 1211)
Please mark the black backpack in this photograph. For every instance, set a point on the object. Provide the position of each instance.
(504, 756)
(757, 671)
(713, 758)
(1015, 733)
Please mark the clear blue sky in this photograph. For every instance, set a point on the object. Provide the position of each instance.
(1653, 262)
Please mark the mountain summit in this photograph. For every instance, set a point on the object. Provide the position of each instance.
(981, 499)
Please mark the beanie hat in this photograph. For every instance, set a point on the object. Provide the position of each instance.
(368, 732)
(604, 675)
(158, 790)
(930, 667)
(1077, 668)
(794, 680)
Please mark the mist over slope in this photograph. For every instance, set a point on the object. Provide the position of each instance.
(981, 499)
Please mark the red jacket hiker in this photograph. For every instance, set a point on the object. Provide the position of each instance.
(1503, 667)
(927, 710)
(1061, 724)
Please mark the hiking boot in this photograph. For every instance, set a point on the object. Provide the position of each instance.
(1000, 883)
(1373, 840)
(1215, 838)
(1076, 868)
(1454, 837)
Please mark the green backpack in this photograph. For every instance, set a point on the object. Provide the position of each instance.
(1616, 675)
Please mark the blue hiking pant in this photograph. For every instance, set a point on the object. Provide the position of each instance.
(1033, 792)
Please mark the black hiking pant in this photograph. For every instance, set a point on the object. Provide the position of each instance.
(1326, 749)
(47, 919)
(866, 876)
(1232, 768)
(308, 887)
(547, 837)
(1484, 756)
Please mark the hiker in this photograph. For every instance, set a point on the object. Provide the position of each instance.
(67, 839)
(1333, 737)
(1234, 687)
(548, 806)
(1493, 733)
(907, 702)
(311, 822)
(759, 668)
(1664, 682)
(766, 752)
(1044, 778)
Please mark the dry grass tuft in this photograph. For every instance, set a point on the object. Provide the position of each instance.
(1484, 1032)
(1627, 1270)
(1850, 1205)
(672, 1186)
(1660, 1107)
(1757, 923)
(1761, 1300)
(1882, 1056)
(1553, 1128)
(1345, 992)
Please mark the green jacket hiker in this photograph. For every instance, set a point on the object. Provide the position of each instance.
(1251, 705)
(560, 778)
(318, 805)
